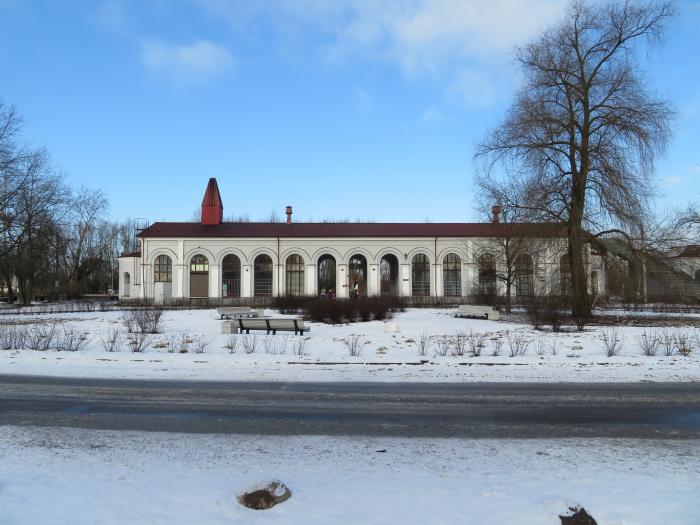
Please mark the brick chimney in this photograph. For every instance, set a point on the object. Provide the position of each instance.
(496, 211)
(212, 207)
(288, 211)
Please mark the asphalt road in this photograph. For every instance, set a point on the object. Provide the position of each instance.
(474, 410)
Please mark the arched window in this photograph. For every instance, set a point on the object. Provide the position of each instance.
(199, 276)
(420, 275)
(389, 275)
(564, 275)
(524, 277)
(127, 284)
(487, 274)
(262, 276)
(295, 275)
(326, 274)
(357, 275)
(231, 276)
(452, 275)
(163, 269)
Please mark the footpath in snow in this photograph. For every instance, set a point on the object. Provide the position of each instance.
(390, 351)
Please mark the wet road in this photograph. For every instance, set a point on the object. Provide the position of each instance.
(472, 410)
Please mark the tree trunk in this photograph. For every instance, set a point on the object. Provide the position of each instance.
(580, 305)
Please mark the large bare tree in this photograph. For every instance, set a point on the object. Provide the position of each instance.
(584, 128)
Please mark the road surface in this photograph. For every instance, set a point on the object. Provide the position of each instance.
(469, 410)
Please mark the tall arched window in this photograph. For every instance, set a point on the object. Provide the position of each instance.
(595, 289)
(295, 275)
(326, 274)
(262, 276)
(231, 276)
(452, 275)
(487, 274)
(564, 275)
(420, 275)
(163, 269)
(199, 276)
(389, 275)
(524, 277)
(127, 284)
(357, 275)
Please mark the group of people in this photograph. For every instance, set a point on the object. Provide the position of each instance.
(329, 294)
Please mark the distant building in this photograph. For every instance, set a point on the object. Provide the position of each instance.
(221, 262)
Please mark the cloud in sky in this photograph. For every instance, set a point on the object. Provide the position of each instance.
(189, 63)
(450, 41)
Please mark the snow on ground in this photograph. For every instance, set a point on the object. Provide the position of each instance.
(390, 352)
(69, 476)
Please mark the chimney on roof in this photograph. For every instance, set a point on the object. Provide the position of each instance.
(212, 207)
(496, 211)
(288, 211)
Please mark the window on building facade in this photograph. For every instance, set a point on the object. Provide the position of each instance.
(420, 275)
(357, 276)
(524, 276)
(452, 275)
(326, 274)
(231, 276)
(389, 275)
(262, 276)
(295, 275)
(564, 275)
(487, 274)
(163, 269)
(199, 264)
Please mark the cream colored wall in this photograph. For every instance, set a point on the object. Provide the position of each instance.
(311, 249)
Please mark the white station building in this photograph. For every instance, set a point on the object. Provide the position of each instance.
(225, 262)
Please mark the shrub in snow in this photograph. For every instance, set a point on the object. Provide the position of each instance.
(275, 345)
(112, 340)
(612, 341)
(143, 319)
(442, 345)
(12, 337)
(201, 344)
(232, 344)
(139, 342)
(683, 343)
(496, 346)
(649, 343)
(667, 343)
(71, 340)
(299, 346)
(460, 343)
(424, 344)
(539, 346)
(354, 344)
(250, 344)
(40, 337)
(518, 343)
(476, 342)
(554, 346)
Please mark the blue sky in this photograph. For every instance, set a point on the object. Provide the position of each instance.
(342, 108)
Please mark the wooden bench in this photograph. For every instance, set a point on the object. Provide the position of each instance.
(236, 312)
(477, 312)
(270, 325)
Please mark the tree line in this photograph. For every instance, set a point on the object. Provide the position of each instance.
(55, 240)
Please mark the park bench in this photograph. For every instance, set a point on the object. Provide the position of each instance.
(270, 325)
(236, 312)
(477, 312)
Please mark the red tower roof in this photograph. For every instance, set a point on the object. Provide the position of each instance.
(212, 207)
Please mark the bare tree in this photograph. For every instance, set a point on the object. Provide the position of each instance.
(519, 240)
(584, 130)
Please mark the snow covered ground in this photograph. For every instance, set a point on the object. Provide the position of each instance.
(69, 476)
(389, 353)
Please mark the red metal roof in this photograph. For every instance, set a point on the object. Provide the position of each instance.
(350, 229)
(689, 251)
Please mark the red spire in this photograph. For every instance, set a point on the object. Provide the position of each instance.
(212, 207)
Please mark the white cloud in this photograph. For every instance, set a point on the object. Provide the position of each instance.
(672, 180)
(194, 62)
(431, 116)
(456, 42)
